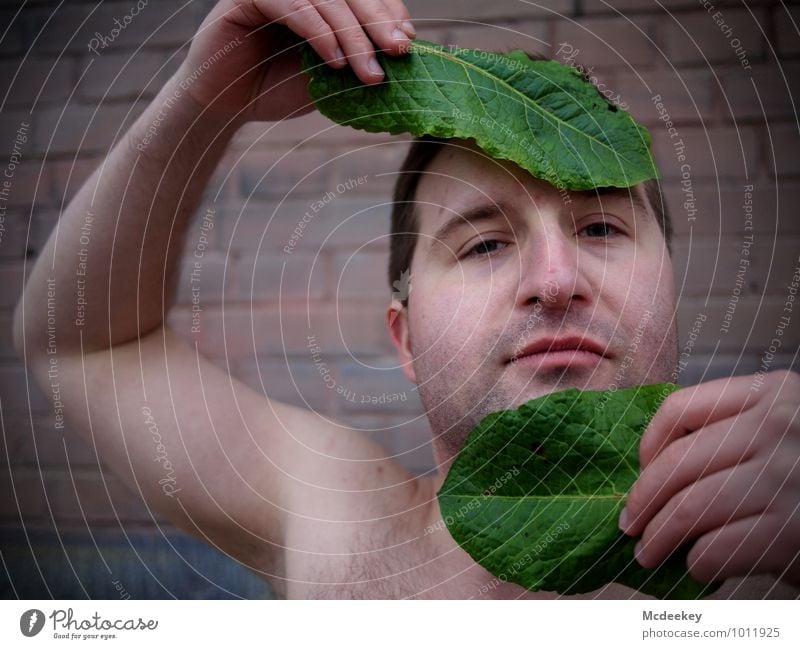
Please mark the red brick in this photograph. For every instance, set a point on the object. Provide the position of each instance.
(784, 362)
(259, 278)
(21, 492)
(14, 237)
(605, 42)
(115, 76)
(362, 275)
(36, 80)
(13, 41)
(606, 6)
(710, 42)
(376, 385)
(81, 128)
(13, 130)
(267, 227)
(12, 282)
(752, 326)
(72, 26)
(46, 445)
(785, 143)
(766, 90)
(310, 130)
(701, 368)
(720, 211)
(722, 158)
(379, 163)
(99, 497)
(686, 94)
(530, 35)
(7, 351)
(17, 385)
(708, 264)
(424, 10)
(788, 37)
(31, 185)
(349, 328)
(302, 172)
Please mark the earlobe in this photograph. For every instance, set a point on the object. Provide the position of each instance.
(397, 323)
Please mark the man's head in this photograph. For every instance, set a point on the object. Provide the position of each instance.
(499, 261)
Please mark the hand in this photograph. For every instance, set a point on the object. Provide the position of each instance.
(243, 61)
(721, 467)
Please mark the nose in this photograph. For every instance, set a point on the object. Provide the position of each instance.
(551, 273)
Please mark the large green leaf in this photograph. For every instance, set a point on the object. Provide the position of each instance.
(543, 115)
(535, 494)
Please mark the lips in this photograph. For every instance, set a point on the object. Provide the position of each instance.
(561, 346)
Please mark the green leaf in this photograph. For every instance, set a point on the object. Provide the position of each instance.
(543, 115)
(535, 494)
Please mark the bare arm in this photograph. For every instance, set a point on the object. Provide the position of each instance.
(201, 448)
(109, 266)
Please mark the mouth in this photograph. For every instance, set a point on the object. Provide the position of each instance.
(563, 351)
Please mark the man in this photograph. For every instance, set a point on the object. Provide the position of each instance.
(518, 290)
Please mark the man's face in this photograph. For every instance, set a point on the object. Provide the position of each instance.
(545, 268)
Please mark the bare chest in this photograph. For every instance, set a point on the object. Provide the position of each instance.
(381, 561)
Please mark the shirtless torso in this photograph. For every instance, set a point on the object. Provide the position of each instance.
(397, 556)
(316, 508)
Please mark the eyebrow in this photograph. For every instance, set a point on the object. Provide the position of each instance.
(490, 211)
(471, 216)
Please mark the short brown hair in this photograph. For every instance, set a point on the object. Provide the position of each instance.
(405, 222)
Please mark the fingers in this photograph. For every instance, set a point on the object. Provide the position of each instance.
(701, 507)
(304, 20)
(758, 544)
(713, 448)
(358, 48)
(340, 30)
(689, 409)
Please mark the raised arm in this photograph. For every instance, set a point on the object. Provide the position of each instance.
(201, 448)
(137, 204)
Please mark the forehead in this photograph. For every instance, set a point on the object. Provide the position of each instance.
(461, 175)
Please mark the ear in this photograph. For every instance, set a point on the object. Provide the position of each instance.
(397, 322)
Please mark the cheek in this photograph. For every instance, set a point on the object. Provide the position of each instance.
(449, 325)
(639, 279)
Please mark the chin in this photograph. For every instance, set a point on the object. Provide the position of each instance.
(554, 380)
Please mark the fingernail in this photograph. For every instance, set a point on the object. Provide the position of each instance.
(374, 66)
(637, 551)
(408, 27)
(339, 54)
(399, 35)
(623, 519)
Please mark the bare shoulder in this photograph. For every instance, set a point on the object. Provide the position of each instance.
(220, 460)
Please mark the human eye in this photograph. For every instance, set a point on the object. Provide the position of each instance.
(484, 248)
(599, 229)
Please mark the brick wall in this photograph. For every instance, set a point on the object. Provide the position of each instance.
(737, 123)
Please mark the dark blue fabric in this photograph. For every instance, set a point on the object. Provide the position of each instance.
(145, 565)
